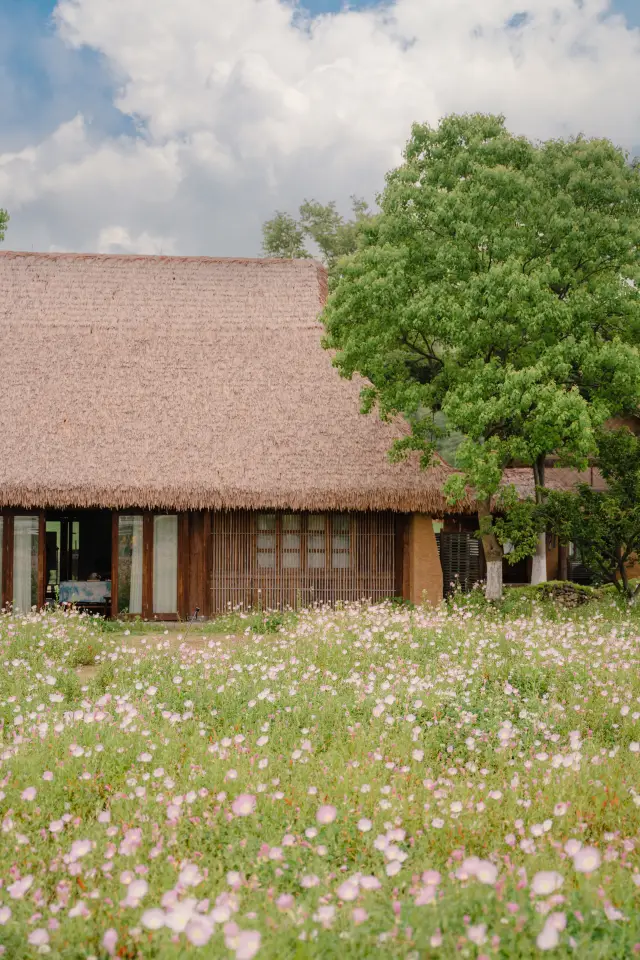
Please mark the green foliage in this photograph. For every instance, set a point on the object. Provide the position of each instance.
(604, 525)
(335, 237)
(282, 236)
(4, 220)
(519, 523)
(496, 287)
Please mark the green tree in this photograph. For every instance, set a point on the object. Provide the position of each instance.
(496, 287)
(335, 237)
(283, 236)
(604, 526)
(4, 220)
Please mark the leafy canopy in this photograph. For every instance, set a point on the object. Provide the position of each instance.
(604, 525)
(4, 220)
(497, 288)
(335, 237)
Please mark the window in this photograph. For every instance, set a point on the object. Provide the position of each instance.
(266, 542)
(25, 563)
(165, 563)
(316, 542)
(291, 541)
(341, 542)
(130, 564)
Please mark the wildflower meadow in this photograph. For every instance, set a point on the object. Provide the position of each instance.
(365, 782)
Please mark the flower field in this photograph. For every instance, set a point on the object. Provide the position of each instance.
(367, 782)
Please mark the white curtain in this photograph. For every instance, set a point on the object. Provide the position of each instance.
(165, 563)
(25, 563)
(130, 564)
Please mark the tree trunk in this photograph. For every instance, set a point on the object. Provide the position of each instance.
(493, 556)
(539, 564)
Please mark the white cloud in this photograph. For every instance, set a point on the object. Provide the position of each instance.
(242, 106)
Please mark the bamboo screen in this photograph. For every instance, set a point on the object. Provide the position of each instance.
(278, 560)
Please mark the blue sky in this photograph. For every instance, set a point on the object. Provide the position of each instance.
(106, 142)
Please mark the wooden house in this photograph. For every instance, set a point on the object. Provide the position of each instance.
(175, 437)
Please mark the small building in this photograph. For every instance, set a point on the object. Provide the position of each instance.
(175, 437)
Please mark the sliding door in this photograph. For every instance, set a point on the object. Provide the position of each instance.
(128, 569)
(150, 564)
(26, 562)
(165, 565)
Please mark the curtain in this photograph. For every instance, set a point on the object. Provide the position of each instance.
(165, 563)
(130, 564)
(25, 563)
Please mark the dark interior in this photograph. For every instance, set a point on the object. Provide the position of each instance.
(78, 552)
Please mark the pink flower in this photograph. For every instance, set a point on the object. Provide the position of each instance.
(587, 859)
(5, 915)
(18, 889)
(47, 775)
(364, 825)
(325, 915)
(309, 881)
(549, 937)
(244, 805)
(359, 916)
(29, 793)
(190, 876)
(199, 930)
(109, 941)
(425, 896)
(546, 882)
(370, 883)
(348, 890)
(326, 814)
(477, 934)
(153, 919)
(285, 901)
(79, 848)
(39, 938)
(248, 944)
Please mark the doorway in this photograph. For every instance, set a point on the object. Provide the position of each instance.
(78, 559)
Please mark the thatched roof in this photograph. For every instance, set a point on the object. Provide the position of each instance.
(187, 383)
(556, 478)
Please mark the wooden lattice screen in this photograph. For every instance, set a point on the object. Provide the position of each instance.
(275, 560)
(460, 560)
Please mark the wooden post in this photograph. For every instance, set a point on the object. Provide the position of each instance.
(42, 559)
(563, 562)
(183, 566)
(400, 527)
(8, 558)
(426, 569)
(115, 521)
(147, 565)
(207, 597)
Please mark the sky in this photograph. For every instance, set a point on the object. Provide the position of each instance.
(157, 126)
